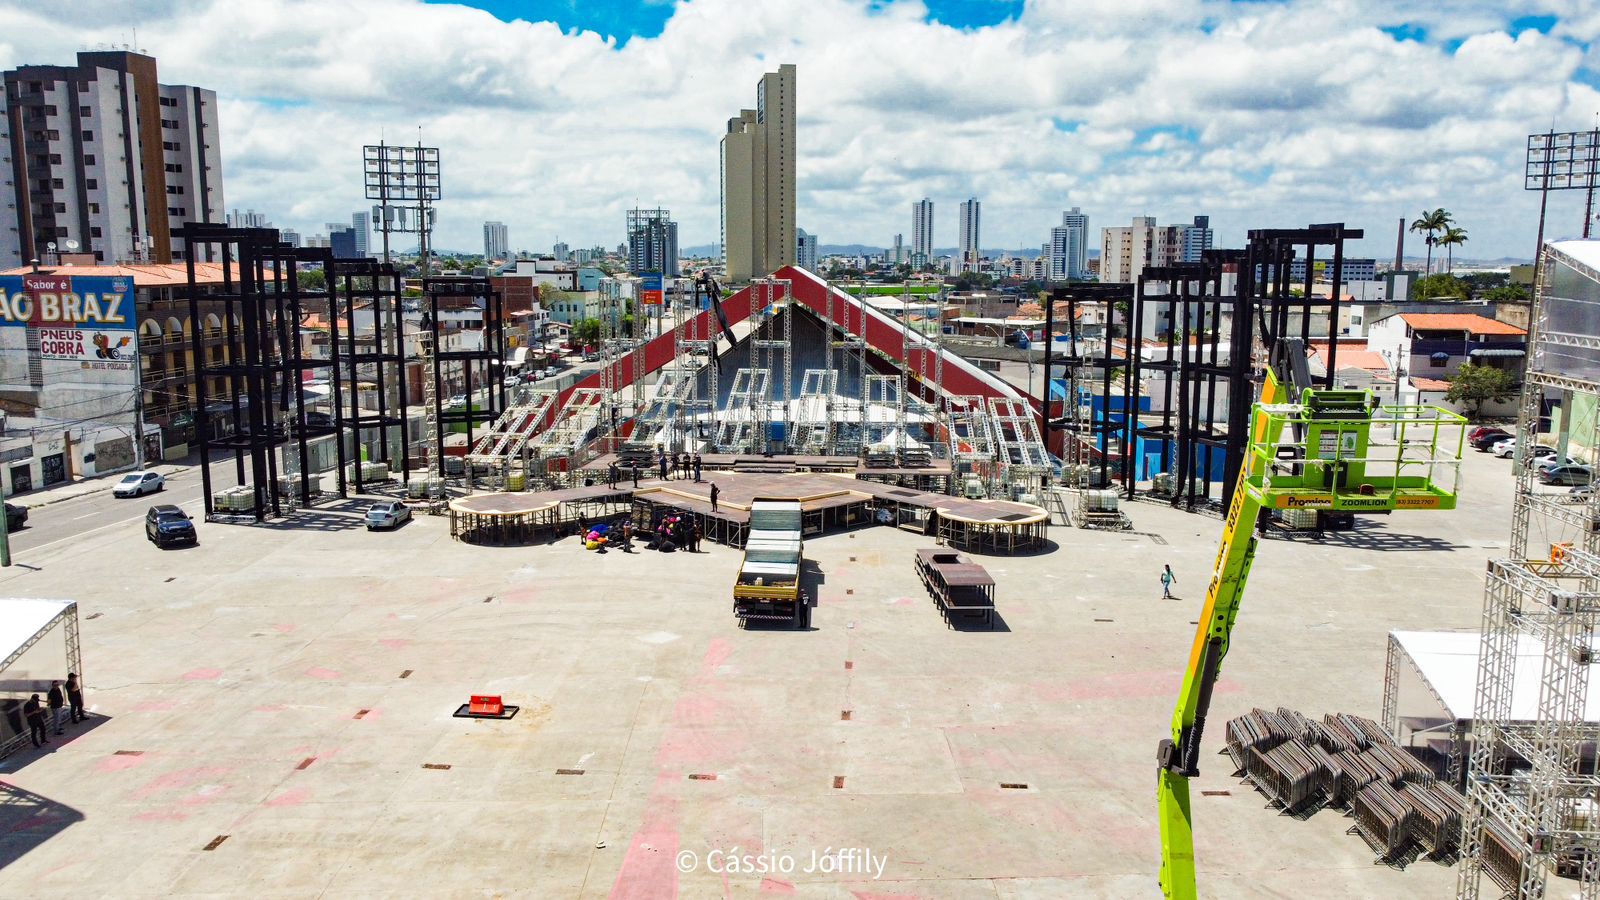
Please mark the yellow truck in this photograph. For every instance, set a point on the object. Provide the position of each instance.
(768, 584)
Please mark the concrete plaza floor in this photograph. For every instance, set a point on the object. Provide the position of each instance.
(291, 687)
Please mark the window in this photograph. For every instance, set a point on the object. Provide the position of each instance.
(170, 145)
(94, 209)
(169, 123)
(57, 184)
(41, 160)
(53, 135)
(61, 207)
(174, 188)
(88, 159)
(169, 101)
(55, 159)
(177, 211)
(99, 256)
(35, 86)
(94, 231)
(83, 87)
(91, 183)
(50, 110)
(85, 112)
(174, 167)
(88, 135)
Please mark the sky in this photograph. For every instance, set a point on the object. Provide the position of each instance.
(557, 116)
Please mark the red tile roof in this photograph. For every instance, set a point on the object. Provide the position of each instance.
(1468, 322)
(145, 275)
(1430, 384)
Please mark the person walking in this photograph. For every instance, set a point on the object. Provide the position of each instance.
(33, 710)
(714, 494)
(1167, 581)
(75, 697)
(58, 707)
(697, 468)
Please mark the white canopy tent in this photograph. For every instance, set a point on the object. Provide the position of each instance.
(39, 640)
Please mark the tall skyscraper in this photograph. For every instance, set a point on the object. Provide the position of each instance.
(496, 241)
(1125, 251)
(758, 184)
(247, 219)
(560, 250)
(1069, 247)
(969, 250)
(899, 252)
(652, 242)
(363, 233)
(805, 254)
(103, 155)
(922, 229)
(1195, 239)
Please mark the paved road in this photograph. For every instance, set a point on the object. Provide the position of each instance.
(78, 517)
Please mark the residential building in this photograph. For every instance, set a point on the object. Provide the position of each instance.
(805, 254)
(289, 236)
(344, 243)
(104, 156)
(898, 255)
(248, 219)
(362, 234)
(1194, 239)
(1125, 251)
(652, 242)
(1435, 345)
(970, 249)
(758, 181)
(496, 241)
(561, 250)
(922, 231)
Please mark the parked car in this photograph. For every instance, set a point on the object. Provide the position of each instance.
(1583, 493)
(166, 525)
(387, 514)
(1478, 431)
(319, 419)
(1552, 461)
(16, 517)
(1567, 474)
(137, 484)
(511, 381)
(1538, 454)
(1484, 442)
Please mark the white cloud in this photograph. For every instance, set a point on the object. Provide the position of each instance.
(1258, 114)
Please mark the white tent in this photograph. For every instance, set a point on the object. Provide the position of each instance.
(39, 640)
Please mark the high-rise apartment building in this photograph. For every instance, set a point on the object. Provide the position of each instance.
(1125, 251)
(1068, 251)
(969, 248)
(247, 219)
(496, 241)
(805, 253)
(561, 251)
(1196, 239)
(758, 182)
(362, 234)
(898, 254)
(652, 242)
(105, 157)
(922, 229)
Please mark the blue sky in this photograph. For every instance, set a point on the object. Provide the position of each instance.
(555, 117)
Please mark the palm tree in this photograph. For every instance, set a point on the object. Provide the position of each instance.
(1429, 223)
(1451, 238)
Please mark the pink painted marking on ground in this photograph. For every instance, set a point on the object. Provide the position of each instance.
(776, 886)
(118, 763)
(156, 706)
(207, 794)
(284, 627)
(180, 780)
(394, 643)
(650, 867)
(879, 895)
(717, 653)
(161, 815)
(323, 674)
(202, 675)
(271, 708)
(903, 601)
(695, 709)
(290, 798)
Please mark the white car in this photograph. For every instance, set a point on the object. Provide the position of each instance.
(511, 381)
(1505, 449)
(388, 514)
(137, 484)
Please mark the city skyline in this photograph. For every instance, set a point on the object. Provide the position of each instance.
(1210, 110)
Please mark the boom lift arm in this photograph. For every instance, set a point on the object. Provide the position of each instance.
(1323, 462)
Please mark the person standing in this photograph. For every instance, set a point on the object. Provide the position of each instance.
(699, 535)
(627, 537)
(714, 494)
(661, 463)
(697, 468)
(1167, 581)
(57, 699)
(612, 474)
(75, 697)
(635, 474)
(33, 710)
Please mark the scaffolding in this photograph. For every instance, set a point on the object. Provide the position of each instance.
(738, 428)
(1532, 787)
(812, 419)
(773, 355)
(559, 448)
(505, 447)
(1019, 450)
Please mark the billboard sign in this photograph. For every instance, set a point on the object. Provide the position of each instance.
(88, 320)
(650, 290)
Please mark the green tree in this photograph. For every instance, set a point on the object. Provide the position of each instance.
(312, 279)
(1453, 237)
(1476, 385)
(1430, 223)
(1478, 282)
(1509, 293)
(1439, 287)
(586, 331)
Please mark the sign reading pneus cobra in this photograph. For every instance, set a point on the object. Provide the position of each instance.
(84, 319)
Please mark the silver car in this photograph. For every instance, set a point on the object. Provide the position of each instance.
(387, 514)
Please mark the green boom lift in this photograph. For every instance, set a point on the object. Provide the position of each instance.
(1313, 451)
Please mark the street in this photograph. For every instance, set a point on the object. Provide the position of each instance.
(80, 516)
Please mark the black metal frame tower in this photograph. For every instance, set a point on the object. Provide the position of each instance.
(487, 360)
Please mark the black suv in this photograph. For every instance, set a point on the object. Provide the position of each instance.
(167, 524)
(16, 517)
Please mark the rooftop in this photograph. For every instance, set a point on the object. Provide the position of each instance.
(144, 275)
(1471, 323)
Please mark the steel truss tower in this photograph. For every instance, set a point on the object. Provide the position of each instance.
(1532, 787)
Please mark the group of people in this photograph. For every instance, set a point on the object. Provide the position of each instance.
(677, 465)
(60, 702)
(675, 532)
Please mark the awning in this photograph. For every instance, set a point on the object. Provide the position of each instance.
(1505, 353)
